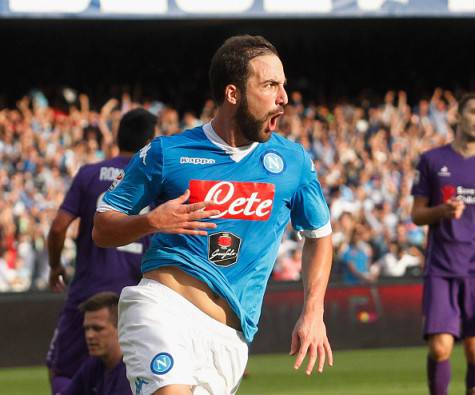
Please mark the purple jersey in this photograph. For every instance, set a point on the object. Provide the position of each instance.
(99, 269)
(442, 173)
(93, 379)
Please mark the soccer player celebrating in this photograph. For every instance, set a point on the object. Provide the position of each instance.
(224, 194)
(97, 269)
(444, 199)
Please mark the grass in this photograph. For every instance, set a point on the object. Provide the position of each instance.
(359, 372)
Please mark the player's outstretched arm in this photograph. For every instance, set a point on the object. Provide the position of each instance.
(423, 214)
(113, 228)
(309, 337)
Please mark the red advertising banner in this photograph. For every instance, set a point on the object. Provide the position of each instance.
(386, 315)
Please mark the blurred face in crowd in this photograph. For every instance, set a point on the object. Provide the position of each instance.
(467, 121)
(263, 101)
(101, 333)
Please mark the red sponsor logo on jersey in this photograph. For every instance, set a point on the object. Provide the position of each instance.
(448, 192)
(235, 200)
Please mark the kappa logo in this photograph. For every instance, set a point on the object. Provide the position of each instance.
(273, 162)
(235, 200)
(444, 172)
(143, 153)
(161, 363)
(196, 161)
(139, 382)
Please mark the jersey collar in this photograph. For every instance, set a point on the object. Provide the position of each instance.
(236, 153)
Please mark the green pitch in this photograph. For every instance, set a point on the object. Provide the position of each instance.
(398, 371)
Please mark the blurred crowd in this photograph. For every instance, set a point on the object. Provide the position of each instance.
(364, 153)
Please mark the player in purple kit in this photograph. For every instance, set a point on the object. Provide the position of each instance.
(444, 199)
(97, 269)
(103, 373)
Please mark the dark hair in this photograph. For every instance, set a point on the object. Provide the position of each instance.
(136, 128)
(101, 300)
(230, 63)
(464, 100)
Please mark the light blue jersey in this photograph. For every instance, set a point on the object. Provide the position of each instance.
(257, 190)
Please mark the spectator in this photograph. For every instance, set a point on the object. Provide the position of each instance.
(355, 262)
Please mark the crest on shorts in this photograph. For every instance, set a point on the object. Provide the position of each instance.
(223, 248)
(161, 363)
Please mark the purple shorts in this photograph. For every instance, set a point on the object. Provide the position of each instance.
(449, 306)
(68, 347)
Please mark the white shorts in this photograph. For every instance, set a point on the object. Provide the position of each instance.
(168, 340)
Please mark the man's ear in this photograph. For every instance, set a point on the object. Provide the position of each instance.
(457, 116)
(231, 94)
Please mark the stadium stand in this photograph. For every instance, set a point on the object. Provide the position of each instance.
(364, 152)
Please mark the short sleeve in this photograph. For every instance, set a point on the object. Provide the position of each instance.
(309, 210)
(421, 184)
(74, 196)
(140, 184)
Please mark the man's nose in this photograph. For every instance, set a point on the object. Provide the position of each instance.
(282, 98)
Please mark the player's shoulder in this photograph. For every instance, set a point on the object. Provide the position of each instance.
(437, 152)
(287, 148)
(188, 136)
(280, 141)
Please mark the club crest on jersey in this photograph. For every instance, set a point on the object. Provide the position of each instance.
(235, 200)
(223, 248)
(273, 162)
(161, 363)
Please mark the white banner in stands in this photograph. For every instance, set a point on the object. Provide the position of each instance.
(286, 6)
(134, 7)
(70, 6)
(214, 6)
(462, 5)
(234, 9)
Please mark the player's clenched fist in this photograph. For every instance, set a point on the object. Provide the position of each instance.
(454, 208)
(175, 216)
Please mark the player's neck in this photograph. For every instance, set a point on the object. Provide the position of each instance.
(225, 127)
(463, 146)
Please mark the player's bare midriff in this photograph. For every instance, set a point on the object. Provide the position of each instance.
(196, 292)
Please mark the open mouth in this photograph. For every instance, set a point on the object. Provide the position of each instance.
(273, 120)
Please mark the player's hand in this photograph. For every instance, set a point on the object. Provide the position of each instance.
(175, 216)
(56, 279)
(453, 208)
(309, 337)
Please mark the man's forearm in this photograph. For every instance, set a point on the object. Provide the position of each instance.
(428, 215)
(55, 246)
(113, 229)
(316, 266)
